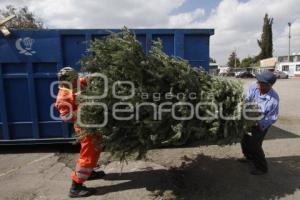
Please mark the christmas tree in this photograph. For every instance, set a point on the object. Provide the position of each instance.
(155, 114)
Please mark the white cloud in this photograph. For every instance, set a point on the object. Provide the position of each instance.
(101, 13)
(237, 24)
(185, 19)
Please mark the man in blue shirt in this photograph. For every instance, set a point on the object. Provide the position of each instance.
(262, 93)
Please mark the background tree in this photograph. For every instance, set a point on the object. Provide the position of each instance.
(248, 62)
(266, 41)
(24, 18)
(212, 60)
(233, 60)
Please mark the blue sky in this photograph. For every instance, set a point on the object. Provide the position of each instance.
(190, 5)
(207, 5)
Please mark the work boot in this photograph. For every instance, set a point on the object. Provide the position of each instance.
(78, 190)
(96, 175)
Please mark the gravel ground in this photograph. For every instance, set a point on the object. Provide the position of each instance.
(206, 172)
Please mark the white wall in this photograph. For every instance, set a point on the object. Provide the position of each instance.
(223, 69)
(292, 70)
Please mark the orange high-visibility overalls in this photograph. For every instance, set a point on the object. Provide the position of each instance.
(89, 152)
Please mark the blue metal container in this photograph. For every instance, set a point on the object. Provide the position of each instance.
(30, 59)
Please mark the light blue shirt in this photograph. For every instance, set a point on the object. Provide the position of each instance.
(268, 103)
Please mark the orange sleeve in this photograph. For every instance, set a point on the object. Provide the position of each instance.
(65, 104)
(83, 82)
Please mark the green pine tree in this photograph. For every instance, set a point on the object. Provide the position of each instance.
(266, 41)
(233, 60)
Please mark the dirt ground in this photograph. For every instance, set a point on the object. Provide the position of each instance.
(206, 172)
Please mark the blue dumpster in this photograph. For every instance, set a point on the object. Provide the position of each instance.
(30, 59)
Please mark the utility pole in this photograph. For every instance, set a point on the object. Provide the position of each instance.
(289, 41)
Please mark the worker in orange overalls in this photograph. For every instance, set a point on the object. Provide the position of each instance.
(90, 152)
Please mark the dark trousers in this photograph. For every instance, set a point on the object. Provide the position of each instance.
(252, 148)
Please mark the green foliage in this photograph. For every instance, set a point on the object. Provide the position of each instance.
(121, 58)
(248, 62)
(266, 41)
(24, 18)
(211, 60)
(233, 60)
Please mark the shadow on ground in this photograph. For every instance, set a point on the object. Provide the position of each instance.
(278, 133)
(210, 178)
